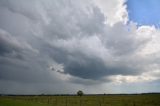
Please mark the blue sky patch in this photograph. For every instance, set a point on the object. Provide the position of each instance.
(144, 12)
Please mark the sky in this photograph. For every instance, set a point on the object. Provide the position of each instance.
(147, 14)
(62, 46)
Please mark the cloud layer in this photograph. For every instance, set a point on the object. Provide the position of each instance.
(73, 44)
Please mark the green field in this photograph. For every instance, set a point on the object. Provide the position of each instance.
(94, 100)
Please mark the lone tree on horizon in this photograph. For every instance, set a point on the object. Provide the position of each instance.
(80, 93)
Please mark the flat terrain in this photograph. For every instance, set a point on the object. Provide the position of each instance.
(94, 100)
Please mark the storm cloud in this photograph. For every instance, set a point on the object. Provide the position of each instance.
(73, 44)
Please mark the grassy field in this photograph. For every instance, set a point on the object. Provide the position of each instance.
(10, 102)
(94, 100)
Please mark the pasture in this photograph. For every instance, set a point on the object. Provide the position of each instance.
(86, 100)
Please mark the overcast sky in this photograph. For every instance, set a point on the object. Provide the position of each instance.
(61, 46)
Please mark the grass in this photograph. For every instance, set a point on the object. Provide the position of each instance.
(11, 102)
(94, 100)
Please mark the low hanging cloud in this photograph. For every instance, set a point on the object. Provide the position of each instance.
(74, 43)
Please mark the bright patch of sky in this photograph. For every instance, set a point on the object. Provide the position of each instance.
(144, 12)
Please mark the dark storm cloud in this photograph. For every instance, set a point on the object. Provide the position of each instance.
(18, 62)
(73, 21)
(93, 68)
(80, 65)
(8, 45)
(38, 36)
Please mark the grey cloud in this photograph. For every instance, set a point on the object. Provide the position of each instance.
(75, 21)
(19, 62)
(79, 65)
(93, 23)
(39, 33)
(8, 45)
(121, 40)
(86, 82)
(21, 7)
(95, 68)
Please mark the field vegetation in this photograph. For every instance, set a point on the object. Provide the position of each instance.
(85, 100)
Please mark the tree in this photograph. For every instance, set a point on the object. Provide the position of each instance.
(80, 93)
